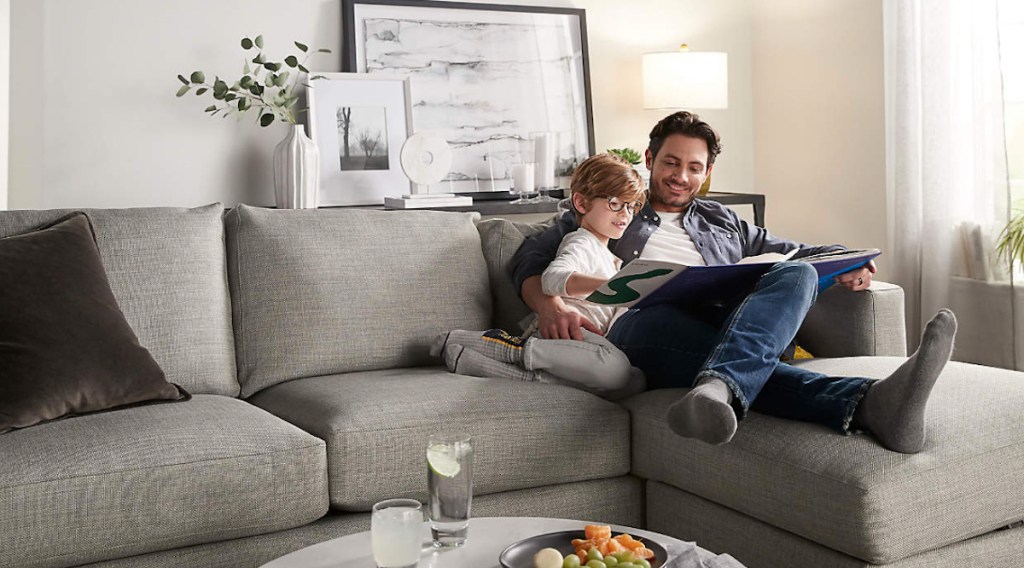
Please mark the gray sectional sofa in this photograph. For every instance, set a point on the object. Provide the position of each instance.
(302, 336)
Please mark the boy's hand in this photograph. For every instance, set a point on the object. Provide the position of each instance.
(859, 279)
(559, 321)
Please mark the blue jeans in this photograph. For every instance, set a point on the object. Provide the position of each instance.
(740, 343)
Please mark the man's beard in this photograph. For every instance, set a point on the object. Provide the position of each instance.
(657, 196)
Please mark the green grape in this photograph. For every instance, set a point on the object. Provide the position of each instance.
(624, 556)
(596, 564)
(644, 563)
(627, 565)
(571, 561)
(594, 554)
(610, 560)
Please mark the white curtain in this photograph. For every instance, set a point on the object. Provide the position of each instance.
(946, 170)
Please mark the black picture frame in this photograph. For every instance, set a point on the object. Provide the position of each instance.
(571, 93)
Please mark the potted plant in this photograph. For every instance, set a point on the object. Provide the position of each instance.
(628, 154)
(269, 90)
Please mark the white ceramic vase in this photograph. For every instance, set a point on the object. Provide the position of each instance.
(296, 170)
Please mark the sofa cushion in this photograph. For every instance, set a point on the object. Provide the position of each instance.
(152, 478)
(501, 239)
(65, 347)
(331, 291)
(849, 493)
(166, 269)
(377, 424)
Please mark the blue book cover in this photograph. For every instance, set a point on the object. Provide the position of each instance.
(643, 283)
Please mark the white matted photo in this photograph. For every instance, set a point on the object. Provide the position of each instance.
(359, 123)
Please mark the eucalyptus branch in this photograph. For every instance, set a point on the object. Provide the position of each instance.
(272, 95)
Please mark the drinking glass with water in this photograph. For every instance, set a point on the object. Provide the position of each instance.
(450, 483)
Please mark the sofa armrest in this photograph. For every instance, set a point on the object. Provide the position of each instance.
(849, 324)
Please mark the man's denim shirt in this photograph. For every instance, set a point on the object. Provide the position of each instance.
(720, 235)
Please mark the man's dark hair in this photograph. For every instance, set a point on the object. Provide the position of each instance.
(688, 124)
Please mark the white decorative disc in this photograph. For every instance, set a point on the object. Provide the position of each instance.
(425, 158)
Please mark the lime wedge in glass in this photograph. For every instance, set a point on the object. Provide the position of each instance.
(442, 462)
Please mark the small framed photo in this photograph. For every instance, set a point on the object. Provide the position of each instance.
(359, 123)
(484, 77)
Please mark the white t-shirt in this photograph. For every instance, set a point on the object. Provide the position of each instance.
(671, 243)
(581, 251)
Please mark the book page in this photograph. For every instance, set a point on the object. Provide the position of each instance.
(767, 257)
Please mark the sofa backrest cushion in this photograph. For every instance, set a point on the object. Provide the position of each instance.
(166, 268)
(500, 239)
(317, 292)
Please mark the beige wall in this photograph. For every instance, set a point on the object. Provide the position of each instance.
(819, 120)
(86, 135)
(5, 64)
(804, 124)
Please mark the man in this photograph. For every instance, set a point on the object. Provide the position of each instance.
(728, 349)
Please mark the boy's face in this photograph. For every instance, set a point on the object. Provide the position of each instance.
(599, 218)
(677, 172)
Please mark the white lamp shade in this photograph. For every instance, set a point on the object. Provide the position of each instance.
(686, 79)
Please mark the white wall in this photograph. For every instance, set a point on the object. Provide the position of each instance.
(87, 135)
(819, 120)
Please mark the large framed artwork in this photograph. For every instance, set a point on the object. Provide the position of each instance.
(359, 123)
(483, 77)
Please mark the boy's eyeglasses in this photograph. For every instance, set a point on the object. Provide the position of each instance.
(616, 205)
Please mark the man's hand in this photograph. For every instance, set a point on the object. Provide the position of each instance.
(859, 279)
(555, 319)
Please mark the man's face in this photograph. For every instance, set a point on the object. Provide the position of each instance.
(677, 172)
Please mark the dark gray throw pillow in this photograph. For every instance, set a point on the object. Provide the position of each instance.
(65, 347)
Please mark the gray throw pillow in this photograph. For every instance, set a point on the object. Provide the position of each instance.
(65, 347)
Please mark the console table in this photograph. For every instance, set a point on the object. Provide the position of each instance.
(501, 207)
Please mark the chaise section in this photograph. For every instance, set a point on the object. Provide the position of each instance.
(377, 424)
(849, 494)
(150, 478)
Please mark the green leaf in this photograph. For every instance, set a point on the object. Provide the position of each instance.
(245, 68)
(246, 43)
(230, 97)
(292, 61)
(198, 77)
(281, 79)
(183, 79)
(303, 69)
(182, 90)
(259, 59)
(302, 47)
(259, 41)
(245, 81)
(266, 120)
(290, 101)
(323, 50)
(201, 90)
(243, 104)
(210, 108)
(220, 87)
(269, 81)
(255, 89)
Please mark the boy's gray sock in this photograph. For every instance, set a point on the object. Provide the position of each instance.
(893, 409)
(464, 361)
(494, 343)
(704, 413)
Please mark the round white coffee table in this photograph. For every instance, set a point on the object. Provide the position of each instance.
(488, 536)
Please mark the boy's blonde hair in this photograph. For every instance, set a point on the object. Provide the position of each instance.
(606, 175)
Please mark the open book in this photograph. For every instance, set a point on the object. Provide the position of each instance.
(647, 282)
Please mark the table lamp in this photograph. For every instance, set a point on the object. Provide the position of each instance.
(686, 79)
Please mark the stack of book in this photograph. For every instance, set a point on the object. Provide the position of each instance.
(427, 201)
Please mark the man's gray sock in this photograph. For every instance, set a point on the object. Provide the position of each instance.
(494, 343)
(464, 361)
(893, 409)
(704, 413)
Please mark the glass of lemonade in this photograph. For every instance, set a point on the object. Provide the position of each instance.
(395, 531)
(450, 483)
